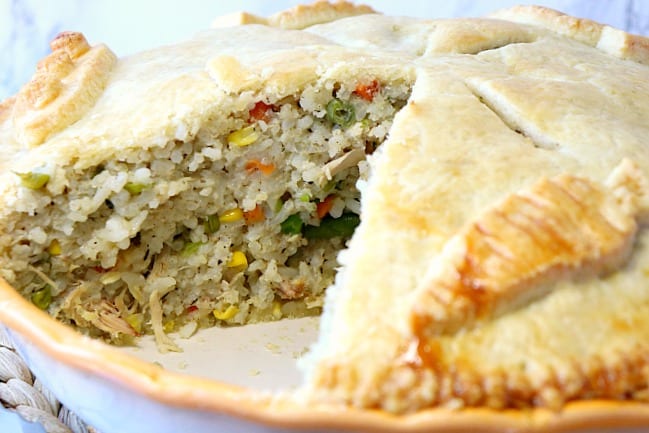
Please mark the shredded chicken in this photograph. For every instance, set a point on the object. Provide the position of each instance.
(163, 341)
(341, 163)
(293, 289)
(109, 319)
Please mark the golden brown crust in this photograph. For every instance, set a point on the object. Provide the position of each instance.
(613, 41)
(74, 44)
(560, 228)
(581, 29)
(6, 107)
(476, 130)
(322, 11)
(65, 85)
(299, 17)
(238, 19)
(624, 45)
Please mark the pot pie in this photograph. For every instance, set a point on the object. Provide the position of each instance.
(471, 193)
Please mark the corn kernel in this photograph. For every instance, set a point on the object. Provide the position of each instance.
(277, 310)
(226, 314)
(42, 298)
(243, 137)
(238, 260)
(169, 326)
(55, 248)
(231, 215)
(33, 180)
(135, 321)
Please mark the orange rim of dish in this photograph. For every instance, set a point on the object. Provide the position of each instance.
(182, 391)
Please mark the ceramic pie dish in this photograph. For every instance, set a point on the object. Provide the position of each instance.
(190, 205)
(123, 392)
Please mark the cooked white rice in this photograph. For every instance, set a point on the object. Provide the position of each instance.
(132, 246)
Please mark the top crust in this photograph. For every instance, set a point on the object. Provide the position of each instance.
(320, 12)
(299, 17)
(610, 40)
(66, 84)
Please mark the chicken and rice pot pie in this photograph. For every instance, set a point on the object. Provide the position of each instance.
(471, 194)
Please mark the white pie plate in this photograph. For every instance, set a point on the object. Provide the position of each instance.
(221, 383)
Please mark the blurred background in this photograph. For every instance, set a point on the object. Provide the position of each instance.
(128, 26)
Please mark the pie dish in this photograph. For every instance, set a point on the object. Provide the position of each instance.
(494, 278)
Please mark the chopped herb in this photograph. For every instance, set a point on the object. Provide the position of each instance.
(292, 225)
(341, 113)
(329, 227)
(42, 298)
(212, 224)
(33, 180)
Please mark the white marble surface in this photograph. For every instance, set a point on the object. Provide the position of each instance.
(127, 26)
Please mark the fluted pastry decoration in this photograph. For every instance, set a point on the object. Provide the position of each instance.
(66, 84)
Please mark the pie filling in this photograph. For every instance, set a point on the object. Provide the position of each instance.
(241, 223)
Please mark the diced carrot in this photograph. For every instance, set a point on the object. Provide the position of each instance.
(261, 111)
(257, 165)
(254, 216)
(367, 91)
(192, 308)
(323, 207)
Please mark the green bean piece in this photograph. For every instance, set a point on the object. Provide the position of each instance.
(292, 225)
(212, 224)
(330, 227)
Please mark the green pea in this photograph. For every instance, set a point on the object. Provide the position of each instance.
(341, 113)
(136, 188)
